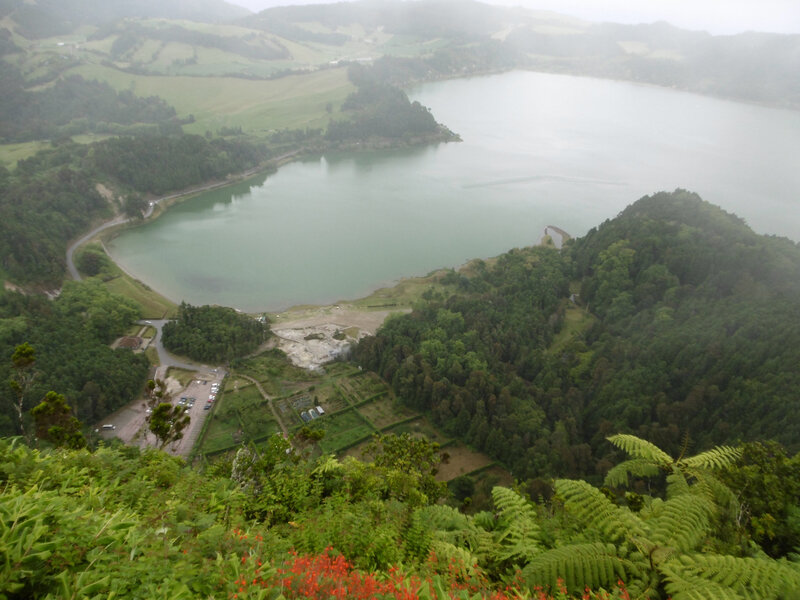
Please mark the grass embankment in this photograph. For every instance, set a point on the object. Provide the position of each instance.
(154, 305)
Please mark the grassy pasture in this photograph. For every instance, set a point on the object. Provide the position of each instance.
(576, 322)
(182, 375)
(384, 412)
(274, 372)
(421, 427)
(342, 430)
(220, 434)
(10, 154)
(257, 106)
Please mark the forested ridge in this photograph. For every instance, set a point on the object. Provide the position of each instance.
(687, 323)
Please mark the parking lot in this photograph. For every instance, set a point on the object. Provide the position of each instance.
(202, 390)
(130, 422)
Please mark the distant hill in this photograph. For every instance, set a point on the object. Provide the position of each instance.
(46, 18)
(758, 67)
(436, 38)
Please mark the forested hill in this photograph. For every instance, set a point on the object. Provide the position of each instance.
(687, 323)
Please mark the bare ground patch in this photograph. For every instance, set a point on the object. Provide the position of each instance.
(462, 460)
(313, 336)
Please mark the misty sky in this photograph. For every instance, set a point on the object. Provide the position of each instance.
(716, 16)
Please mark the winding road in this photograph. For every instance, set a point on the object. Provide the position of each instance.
(122, 219)
(166, 359)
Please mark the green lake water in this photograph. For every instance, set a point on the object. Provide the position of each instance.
(538, 150)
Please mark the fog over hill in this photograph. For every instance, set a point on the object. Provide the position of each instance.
(736, 16)
(44, 18)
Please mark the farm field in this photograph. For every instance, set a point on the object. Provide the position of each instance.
(10, 154)
(461, 461)
(241, 414)
(257, 106)
(355, 404)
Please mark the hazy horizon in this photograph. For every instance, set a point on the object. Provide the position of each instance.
(719, 17)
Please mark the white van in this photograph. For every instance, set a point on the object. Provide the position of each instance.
(109, 427)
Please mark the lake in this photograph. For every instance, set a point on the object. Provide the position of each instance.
(537, 150)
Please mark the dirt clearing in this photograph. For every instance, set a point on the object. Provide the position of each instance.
(313, 336)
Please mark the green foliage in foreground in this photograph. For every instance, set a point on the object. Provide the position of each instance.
(141, 524)
(213, 333)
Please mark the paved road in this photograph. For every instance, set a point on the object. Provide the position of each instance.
(74, 245)
(164, 357)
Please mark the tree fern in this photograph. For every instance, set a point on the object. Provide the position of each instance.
(518, 539)
(638, 467)
(639, 448)
(685, 586)
(455, 558)
(681, 522)
(327, 464)
(749, 578)
(579, 565)
(719, 457)
(449, 525)
(597, 512)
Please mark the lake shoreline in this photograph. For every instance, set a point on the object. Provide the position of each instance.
(324, 228)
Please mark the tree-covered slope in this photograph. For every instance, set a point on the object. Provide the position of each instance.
(700, 323)
(687, 323)
(70, 336)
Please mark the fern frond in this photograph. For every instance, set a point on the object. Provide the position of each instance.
(519, 538)
(686, 586)
(754, 578)
(639, 448)
(447, 524)
(638, 467)
(327, 464)
(714, 489)
(459, 559)
(444, 518)
(681, 522)
(511, 505)
(596, 511)
(676, 483)
(579, 565)
(716, 458)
